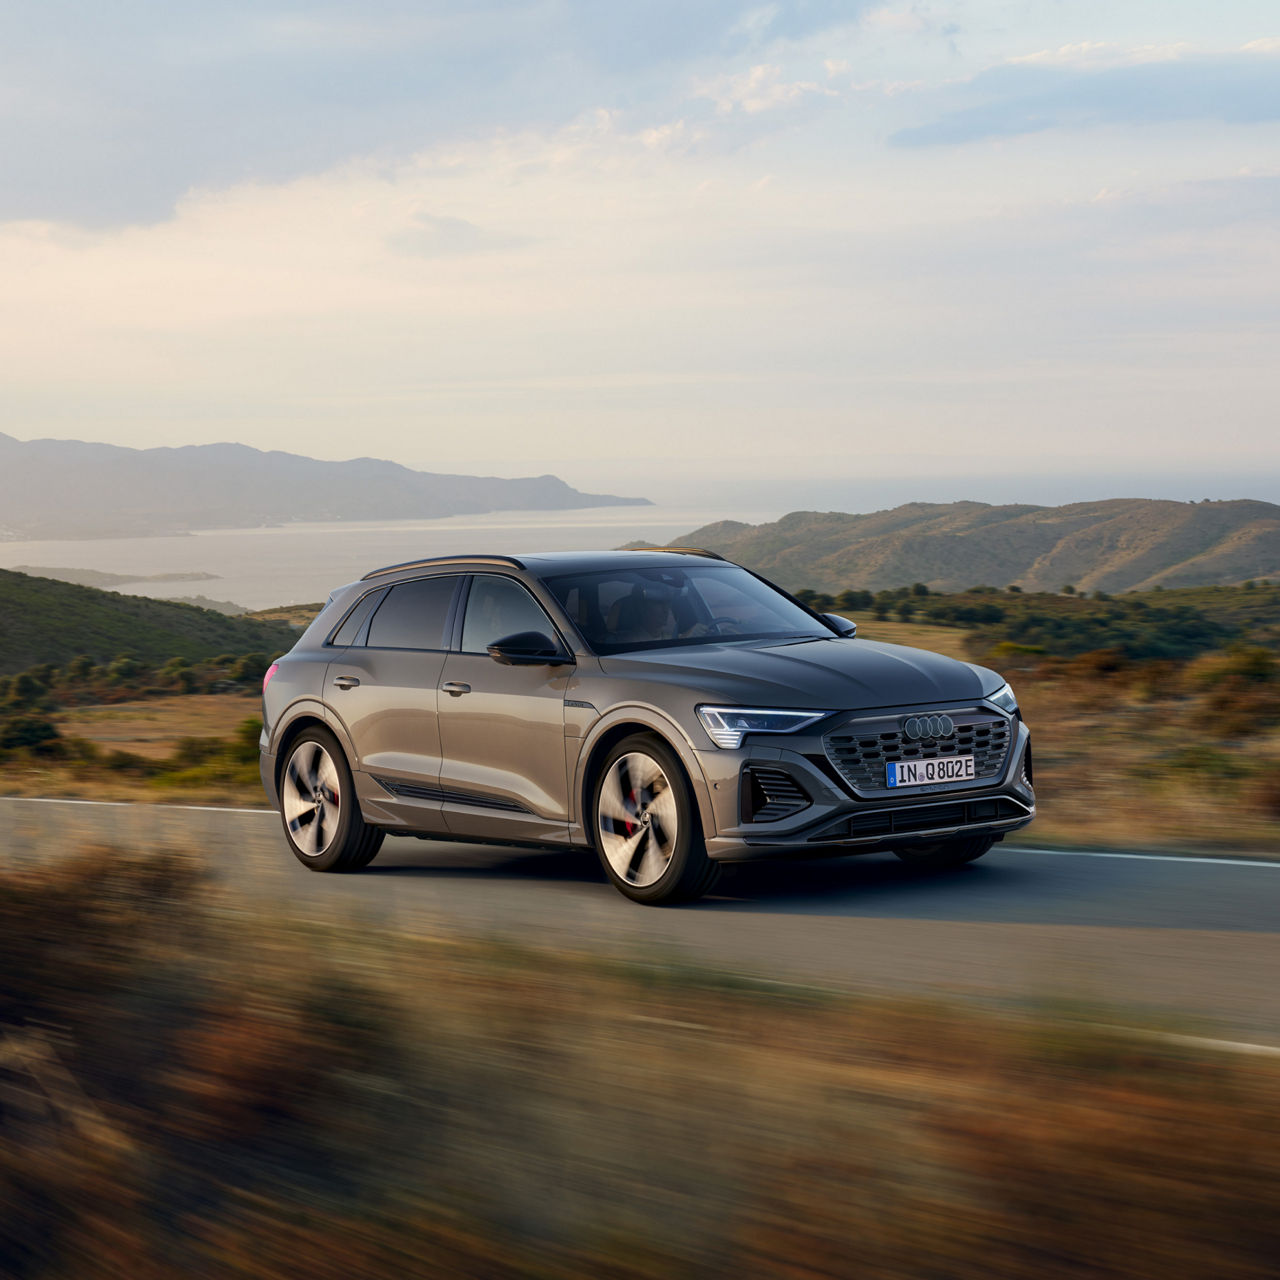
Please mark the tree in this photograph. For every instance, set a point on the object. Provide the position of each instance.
(854, 600)
(123, 668)
(26, 731)
(25, 690)
(80, 668)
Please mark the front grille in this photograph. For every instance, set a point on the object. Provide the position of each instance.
(933, 817)
(860, 749)
(769, 795)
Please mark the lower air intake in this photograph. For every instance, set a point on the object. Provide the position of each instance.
(768, 795)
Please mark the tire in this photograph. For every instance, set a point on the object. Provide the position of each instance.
(318, 807)
(944, 854)
(645, 825)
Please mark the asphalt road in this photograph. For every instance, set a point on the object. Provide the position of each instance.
(1135, 936)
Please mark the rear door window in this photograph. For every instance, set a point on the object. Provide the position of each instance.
(414, 614)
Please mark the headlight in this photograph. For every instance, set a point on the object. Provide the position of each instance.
(729, 725)
(1004, 699)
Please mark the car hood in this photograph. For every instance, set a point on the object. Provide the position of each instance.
(835, 674)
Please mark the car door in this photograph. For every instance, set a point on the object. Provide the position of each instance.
(385, 688)
(502, 768)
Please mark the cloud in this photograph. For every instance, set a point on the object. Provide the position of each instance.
(111, 113)
(436, 236)
(1066, 92)
(761, 88)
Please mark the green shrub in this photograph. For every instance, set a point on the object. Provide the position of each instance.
(27, 733)
(250, 668)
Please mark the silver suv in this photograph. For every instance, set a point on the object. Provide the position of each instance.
(668, 708)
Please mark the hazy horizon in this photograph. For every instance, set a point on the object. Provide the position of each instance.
(726, 487)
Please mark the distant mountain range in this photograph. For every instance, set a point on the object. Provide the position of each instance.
(71, 489)
(1095, 546)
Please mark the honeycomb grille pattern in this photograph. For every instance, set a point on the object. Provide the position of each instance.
(860, 750)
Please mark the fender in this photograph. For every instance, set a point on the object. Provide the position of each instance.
(316, 710)
(650, 717)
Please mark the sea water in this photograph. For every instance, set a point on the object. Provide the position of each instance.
(302, 563)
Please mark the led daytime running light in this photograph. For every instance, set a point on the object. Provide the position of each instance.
(727, 726)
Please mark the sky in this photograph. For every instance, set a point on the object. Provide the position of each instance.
(807, 252)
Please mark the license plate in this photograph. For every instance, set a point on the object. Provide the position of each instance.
(921, 773)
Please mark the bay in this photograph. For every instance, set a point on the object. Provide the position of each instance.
(302, 563)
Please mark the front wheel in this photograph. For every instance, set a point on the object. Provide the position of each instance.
(322, 820)
(646, 826)
(941, 855)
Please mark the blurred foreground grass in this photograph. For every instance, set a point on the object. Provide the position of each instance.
(185, 1091)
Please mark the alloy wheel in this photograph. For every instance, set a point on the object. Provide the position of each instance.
(637, 819)
(311, 799)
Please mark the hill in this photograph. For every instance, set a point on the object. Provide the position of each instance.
(44, 621)
(70, 489)
(1116, 545)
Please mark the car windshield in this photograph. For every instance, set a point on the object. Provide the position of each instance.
(619, 610)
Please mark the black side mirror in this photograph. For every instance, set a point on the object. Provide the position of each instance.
(528, 649)
(841, 626)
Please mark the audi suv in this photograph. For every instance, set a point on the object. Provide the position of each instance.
(666, 707)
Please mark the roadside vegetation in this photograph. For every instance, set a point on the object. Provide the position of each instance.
(1164, 733)
(185, 1091)
(127, 730)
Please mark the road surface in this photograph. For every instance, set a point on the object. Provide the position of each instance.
(1198, 939)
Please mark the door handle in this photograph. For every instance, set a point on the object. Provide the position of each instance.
(346, 682)
(455, 688)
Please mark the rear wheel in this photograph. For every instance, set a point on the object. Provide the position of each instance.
(322, 820)
(941, 854)
(646, 826)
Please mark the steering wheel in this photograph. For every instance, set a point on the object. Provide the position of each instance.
(718, 622)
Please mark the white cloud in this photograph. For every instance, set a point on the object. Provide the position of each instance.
(895, 19)
(761, 88)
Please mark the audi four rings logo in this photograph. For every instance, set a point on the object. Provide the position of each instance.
(928, 727)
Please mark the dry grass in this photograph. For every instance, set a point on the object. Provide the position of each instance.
(297, 615)
(115, 752)
(153, 727)
(245, 1097)
(1115, 768)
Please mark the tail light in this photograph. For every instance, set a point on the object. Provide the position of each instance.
(271, 670)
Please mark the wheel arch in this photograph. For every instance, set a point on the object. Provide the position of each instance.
(310, 716)
(611, 730)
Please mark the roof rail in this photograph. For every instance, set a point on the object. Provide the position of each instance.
(436, 560)
(686, 551)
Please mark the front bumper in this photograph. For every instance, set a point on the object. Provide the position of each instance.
(838, 820)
